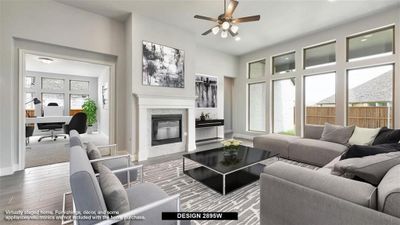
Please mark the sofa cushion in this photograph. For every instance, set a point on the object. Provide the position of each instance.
(114, 193)
(276, 143)
(315, 152)
(327, 169)
(145, 193)
(363, 136)
(370, 168)
(313, 131)
(358, 151)
(387, 136)
(94, 153)
(337, 134)
(389, 192)
(357, 192)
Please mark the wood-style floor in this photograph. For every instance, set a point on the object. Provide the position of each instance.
(43, 187)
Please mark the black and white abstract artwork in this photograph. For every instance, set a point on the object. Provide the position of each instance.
(163, 66)
(206, 91)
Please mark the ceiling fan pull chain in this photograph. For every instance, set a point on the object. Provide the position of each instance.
(224, 6)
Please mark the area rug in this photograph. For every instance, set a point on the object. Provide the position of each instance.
(196, 197)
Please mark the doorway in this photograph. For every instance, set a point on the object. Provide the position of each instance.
(53, 89)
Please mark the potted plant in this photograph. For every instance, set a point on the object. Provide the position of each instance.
(89, 108)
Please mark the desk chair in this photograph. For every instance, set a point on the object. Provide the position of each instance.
(78, 123)
(51, 127)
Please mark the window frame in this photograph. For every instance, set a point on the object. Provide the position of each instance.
(388, 27)
(79, 91)
(273, 103)
(45, 92)
(273, 73)
(70, 95)
(304, 95)
(316, 46)
(51, 89)
(393, 90)
(248, 107)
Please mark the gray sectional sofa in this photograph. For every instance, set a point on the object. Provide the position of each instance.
(309, 149)
(294, 195)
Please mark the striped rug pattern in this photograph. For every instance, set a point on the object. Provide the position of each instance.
(196, 197)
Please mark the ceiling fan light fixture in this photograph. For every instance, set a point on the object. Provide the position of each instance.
(234, 29)
(215, 30)
(225, 25)
(224, 34)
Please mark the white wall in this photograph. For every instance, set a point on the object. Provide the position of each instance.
(198, 59)
(103, 113)
(228, 103)
(339, 34)
(69, 31)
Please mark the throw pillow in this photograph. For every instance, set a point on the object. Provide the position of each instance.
(370, 168)
(357, 151)
(387, 136)
(94, 153)
(114, 193)
(363, 136)
(336, 133)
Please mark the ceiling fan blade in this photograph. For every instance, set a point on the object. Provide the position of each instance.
(205, 18)
(233, 34)
(207, 32)
(231, 8)
(246, 19)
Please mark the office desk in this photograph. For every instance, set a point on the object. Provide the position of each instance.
(48, 119)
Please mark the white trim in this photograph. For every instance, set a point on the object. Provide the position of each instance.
(8, 170)
(244, 136)
(21, 113)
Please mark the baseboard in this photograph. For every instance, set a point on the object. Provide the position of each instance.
(8, 170)
(244, 136)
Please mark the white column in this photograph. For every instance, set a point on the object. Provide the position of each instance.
(143, 151)
(191, 145)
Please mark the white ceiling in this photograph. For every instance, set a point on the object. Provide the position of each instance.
(63, 66)
(280, 19)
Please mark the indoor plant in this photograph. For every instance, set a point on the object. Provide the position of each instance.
(89, 108)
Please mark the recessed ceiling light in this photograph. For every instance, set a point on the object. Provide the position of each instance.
(237, 38)
(286, 58)
(364, 39)
(331, 0)
(45, 60)
(368, 35)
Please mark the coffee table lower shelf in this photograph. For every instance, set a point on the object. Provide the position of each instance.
(233, 181)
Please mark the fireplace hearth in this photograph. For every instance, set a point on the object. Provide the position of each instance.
(166, 129)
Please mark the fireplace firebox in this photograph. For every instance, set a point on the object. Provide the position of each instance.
(166, 129)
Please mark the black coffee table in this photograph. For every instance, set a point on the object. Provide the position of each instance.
(225, 170)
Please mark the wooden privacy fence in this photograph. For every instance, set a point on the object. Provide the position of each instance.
(362, 116)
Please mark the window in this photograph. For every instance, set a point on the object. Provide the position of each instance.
(28, 98)
(284, 96)
(52, 97)
(76, 85)
(283, 63)
(29, 82)
(320, 102)
(52, 84)
(257, 106)
(370, 45)
(318, 56)
(76, 101)
(257, 69)
(370, 97)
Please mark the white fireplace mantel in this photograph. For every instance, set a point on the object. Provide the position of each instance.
(149, 102)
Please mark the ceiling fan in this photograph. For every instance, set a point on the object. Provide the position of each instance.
(226, 22)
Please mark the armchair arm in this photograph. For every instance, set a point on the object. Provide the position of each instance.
(112, 146)
(128, 156)
(128, 169)
(141, 209)
(291, 195)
